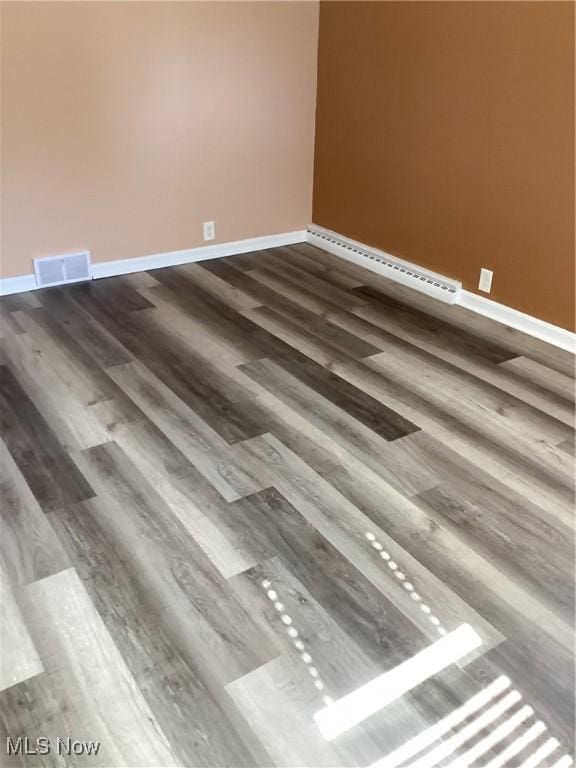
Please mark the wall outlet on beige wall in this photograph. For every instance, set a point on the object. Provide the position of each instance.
(485, 282)
(209, 230)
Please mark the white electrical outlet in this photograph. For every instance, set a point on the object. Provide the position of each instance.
(485, 282)
(209, 230)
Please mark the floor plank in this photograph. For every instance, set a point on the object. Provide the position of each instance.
(205, 448)
(48, 469)
(345, 527)
(150, 623)
(19, 659)
(29, 548)
(87, 680)
(239, 490)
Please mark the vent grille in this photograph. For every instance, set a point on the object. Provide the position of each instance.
(57, 270)
(395, 269)
(49, 271)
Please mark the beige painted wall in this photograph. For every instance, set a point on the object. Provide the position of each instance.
(126, 125)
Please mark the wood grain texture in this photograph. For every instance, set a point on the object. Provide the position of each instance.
(237, 490)
(87, 677)
(29, 549)
(19, 659)
(52, 476)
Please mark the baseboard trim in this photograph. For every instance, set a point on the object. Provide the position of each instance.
(513, 318)
(19, 284)
(22, 283)
(191, 255)
(438, 286)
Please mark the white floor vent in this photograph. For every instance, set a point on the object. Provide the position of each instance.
(69, 268)
(386, 265)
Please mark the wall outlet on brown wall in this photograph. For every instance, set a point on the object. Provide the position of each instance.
(485, 281)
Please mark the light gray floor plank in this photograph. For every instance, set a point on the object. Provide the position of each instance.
(28, 546)
(89, 681)
(188, 494)
(172, 652)
(207, 451)
(504, 376)
(437, 417)
(206, 465)
(278, 704)
(516, 342)
(175, 567)
(549, 379)
(19, 659)
(345, 526)
(394, 462)
(52, 383)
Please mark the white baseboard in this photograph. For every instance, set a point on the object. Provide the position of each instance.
(513, 318)
(9, 285)
(190, 255)
(20, 284)
(385, 264)
(349, 249)
(532, 326)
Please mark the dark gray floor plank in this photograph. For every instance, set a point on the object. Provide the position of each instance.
(253, 285)
(327, 339)
(367, 410)
(306, 258)
(328, 450)
(433, 328)
(187, 433)
(118, 291)
(239, 330)
(315, 284)
(86, 688)
(336, 665)
(268, 523)
(29, 549)
(535, 391)
(491, 331)
(496, 595)
(297, 256)
(390, 466)
(246, 261)
(8, 321)
(152, 607)
(190, 377)
(66, 317)
(207, 309)
(533, 548)
(147, 525)
(539, 470)
(303, 308)
(52, 476)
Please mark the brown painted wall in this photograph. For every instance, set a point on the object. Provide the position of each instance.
(445, 135)
(125, 125)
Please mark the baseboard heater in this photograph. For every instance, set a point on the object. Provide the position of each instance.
(384, 264)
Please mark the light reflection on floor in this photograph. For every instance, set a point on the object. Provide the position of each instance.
(414, 753)
(386, 688)
(494, 720)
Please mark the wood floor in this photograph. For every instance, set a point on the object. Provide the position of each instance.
(238, 490)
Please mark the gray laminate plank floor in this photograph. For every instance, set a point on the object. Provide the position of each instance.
(241, 493)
